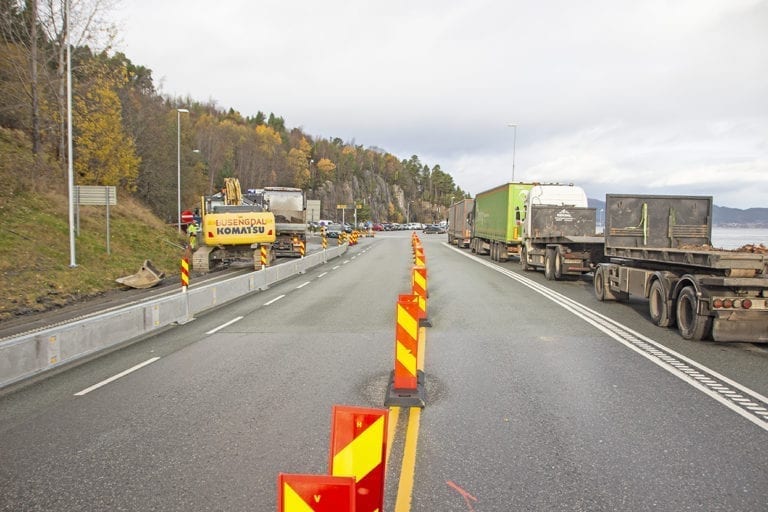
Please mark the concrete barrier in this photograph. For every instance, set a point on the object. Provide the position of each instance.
(31, 354)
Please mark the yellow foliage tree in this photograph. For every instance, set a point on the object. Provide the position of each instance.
(298, 162)
(104, 154)
(325, 167)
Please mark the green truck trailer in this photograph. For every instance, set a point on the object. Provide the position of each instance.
(497, 220)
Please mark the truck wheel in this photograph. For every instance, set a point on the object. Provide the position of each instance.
(602, 288)
(691, 325)
(494, 251)
(524, 259)
(549, 264)
(658, 305)
(558, 264)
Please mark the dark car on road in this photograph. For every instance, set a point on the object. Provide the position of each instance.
(434, 229)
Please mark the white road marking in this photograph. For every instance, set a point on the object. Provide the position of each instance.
(115, 377)
(337, 266)
(225, 325)
(641, 344)
(321, 275)
(302, 285)
(274, 300)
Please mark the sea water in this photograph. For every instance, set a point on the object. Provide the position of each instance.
(733, 238)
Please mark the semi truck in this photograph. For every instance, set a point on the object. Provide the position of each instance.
(659, 248)
(497, 220)
(460, 222)
(289, 206)
(232, 230)
(559, 232)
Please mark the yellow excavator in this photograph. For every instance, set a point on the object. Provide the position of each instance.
(232, 230)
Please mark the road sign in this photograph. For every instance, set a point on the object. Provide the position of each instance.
(341, 207)
(187, 217)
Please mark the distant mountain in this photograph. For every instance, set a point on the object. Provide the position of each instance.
(722, 215)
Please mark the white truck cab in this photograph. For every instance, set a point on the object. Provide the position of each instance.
(553, 195)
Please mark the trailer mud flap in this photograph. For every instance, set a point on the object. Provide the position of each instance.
(742, 327)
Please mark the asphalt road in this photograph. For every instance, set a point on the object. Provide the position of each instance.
(534, 402)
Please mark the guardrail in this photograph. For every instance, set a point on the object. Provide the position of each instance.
(31, 354)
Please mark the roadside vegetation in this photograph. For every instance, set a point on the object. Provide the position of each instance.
(125, 134)
(35, 272)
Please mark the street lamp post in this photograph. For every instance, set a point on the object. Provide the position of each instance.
(179, 111)
(514, 143)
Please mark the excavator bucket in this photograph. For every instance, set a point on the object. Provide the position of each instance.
(147, 277)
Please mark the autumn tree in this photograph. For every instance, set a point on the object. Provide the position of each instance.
(298, 163)
(105, 155)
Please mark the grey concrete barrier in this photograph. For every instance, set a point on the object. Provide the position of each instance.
(31, 354)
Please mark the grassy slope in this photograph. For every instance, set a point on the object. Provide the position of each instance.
(35, 272)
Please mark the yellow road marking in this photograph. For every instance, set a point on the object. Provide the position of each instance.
(394, 415)
(408, 468)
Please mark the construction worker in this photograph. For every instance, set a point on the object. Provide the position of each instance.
(192, 233)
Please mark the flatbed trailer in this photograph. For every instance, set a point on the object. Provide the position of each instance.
(659, 248)
(561, 240)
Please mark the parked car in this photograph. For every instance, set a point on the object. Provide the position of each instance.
(333, 230)
(434, 229)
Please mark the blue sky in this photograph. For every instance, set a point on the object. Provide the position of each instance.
(657, 96)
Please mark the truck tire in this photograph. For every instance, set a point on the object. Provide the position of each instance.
(691, 325)
(549, 264)
(558, 264)
(659, 307)
(602, 288)
(524, 259)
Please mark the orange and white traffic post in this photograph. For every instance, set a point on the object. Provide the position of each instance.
(419, 288)
(419, 259)
(406, 386)
(315, 493)
(184, 273)
(358, 450)
(264, 256)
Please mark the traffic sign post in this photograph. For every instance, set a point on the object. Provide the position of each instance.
(187, 217)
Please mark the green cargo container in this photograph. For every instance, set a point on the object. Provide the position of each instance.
(498, 217)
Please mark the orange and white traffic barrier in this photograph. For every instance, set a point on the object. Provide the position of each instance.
(419, 288)
(419, 259)
(184, 273)
(406, 387)
(315, 493)
(359, 450)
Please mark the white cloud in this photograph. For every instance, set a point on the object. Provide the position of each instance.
(649, 96)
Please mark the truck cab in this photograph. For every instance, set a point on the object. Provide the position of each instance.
(552, 195)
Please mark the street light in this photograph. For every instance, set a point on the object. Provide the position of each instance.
(179, 111)
(514, 142)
